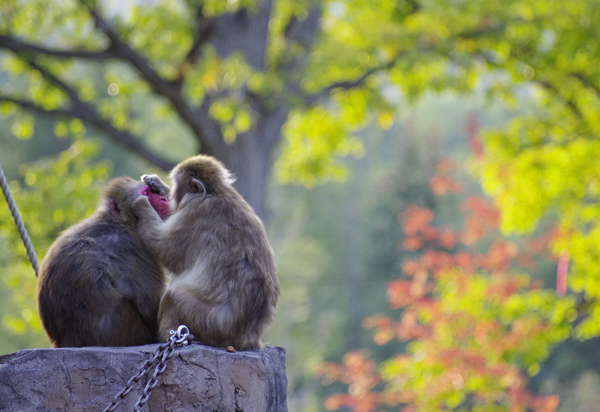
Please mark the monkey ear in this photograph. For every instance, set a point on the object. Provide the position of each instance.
(196, 186)
(114, 208)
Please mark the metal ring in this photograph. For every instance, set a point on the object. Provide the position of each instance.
(182, 335)
(180, 329)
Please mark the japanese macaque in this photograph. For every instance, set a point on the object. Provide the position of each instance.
(225, 284)
(99, 285)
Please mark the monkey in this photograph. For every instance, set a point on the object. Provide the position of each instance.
(225, 285)
(98, 284)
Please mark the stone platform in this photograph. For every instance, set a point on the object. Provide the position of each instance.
(198, 378)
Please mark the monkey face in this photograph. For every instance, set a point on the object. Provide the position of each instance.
(120, 194)
(158, 202)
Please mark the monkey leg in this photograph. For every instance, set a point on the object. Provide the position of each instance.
(210, 324)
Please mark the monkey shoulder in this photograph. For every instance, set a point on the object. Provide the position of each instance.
(247, 240)
(235, 213)
(94, 235)
(100, 250)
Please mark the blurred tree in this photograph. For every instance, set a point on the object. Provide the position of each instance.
(231, 72)
(336, 251)
(54, 194)
(474, 322)
(169, 78)
(240, 73)
(545, 164)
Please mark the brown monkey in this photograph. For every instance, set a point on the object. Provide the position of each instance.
(99, 285)
(225, 284)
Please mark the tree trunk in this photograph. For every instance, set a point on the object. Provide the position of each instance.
(349, 219)
(250, 162)
(250, 157)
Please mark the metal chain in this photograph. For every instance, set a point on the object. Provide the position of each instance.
(132, 383)
(181, 337)
(19, 222)
(153, 383)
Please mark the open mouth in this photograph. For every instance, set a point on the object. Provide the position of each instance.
(158, 202)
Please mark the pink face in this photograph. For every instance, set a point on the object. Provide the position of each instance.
(159, 203)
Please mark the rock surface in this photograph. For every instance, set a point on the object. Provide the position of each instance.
(197, 378)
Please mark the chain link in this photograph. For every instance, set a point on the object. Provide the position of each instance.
(181, 337)
(153, 383)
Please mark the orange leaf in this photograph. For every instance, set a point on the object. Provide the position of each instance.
(412, 243)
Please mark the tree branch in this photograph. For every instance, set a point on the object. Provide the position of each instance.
(314, 98)
(119, 50)
(414, 6)
(204, 27)
(85, 113)
(302, 32)
(51, 78)
(325, 92)
(88, 114)
(18, 47)
(170, 90)
(31, 106)
(572, 105)
(544, 83)
(79, 109)
(586, 82)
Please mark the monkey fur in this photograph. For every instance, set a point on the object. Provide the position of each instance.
(225, 286)
(99, 285)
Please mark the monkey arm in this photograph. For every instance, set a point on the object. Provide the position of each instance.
(148, 223)
(155, 234)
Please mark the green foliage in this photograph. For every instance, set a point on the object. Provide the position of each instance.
(368, 58)
(540, 164)
(474, 323)
(357, 43)
(51, 195)
(409, 48)
(543, 166)
(314, 138)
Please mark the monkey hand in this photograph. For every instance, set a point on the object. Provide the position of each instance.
(156, 185)
(141, 207)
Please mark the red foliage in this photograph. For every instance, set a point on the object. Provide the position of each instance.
(412, 243)
(472, 125)
(472, 129)
(360, 374)
(415, 219)
(443, 185)
(476, 146)
(501, 255)
(475, 347)
(447, 238)
(483, 218)
(561, 275)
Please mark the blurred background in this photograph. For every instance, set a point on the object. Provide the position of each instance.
(427, 171)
